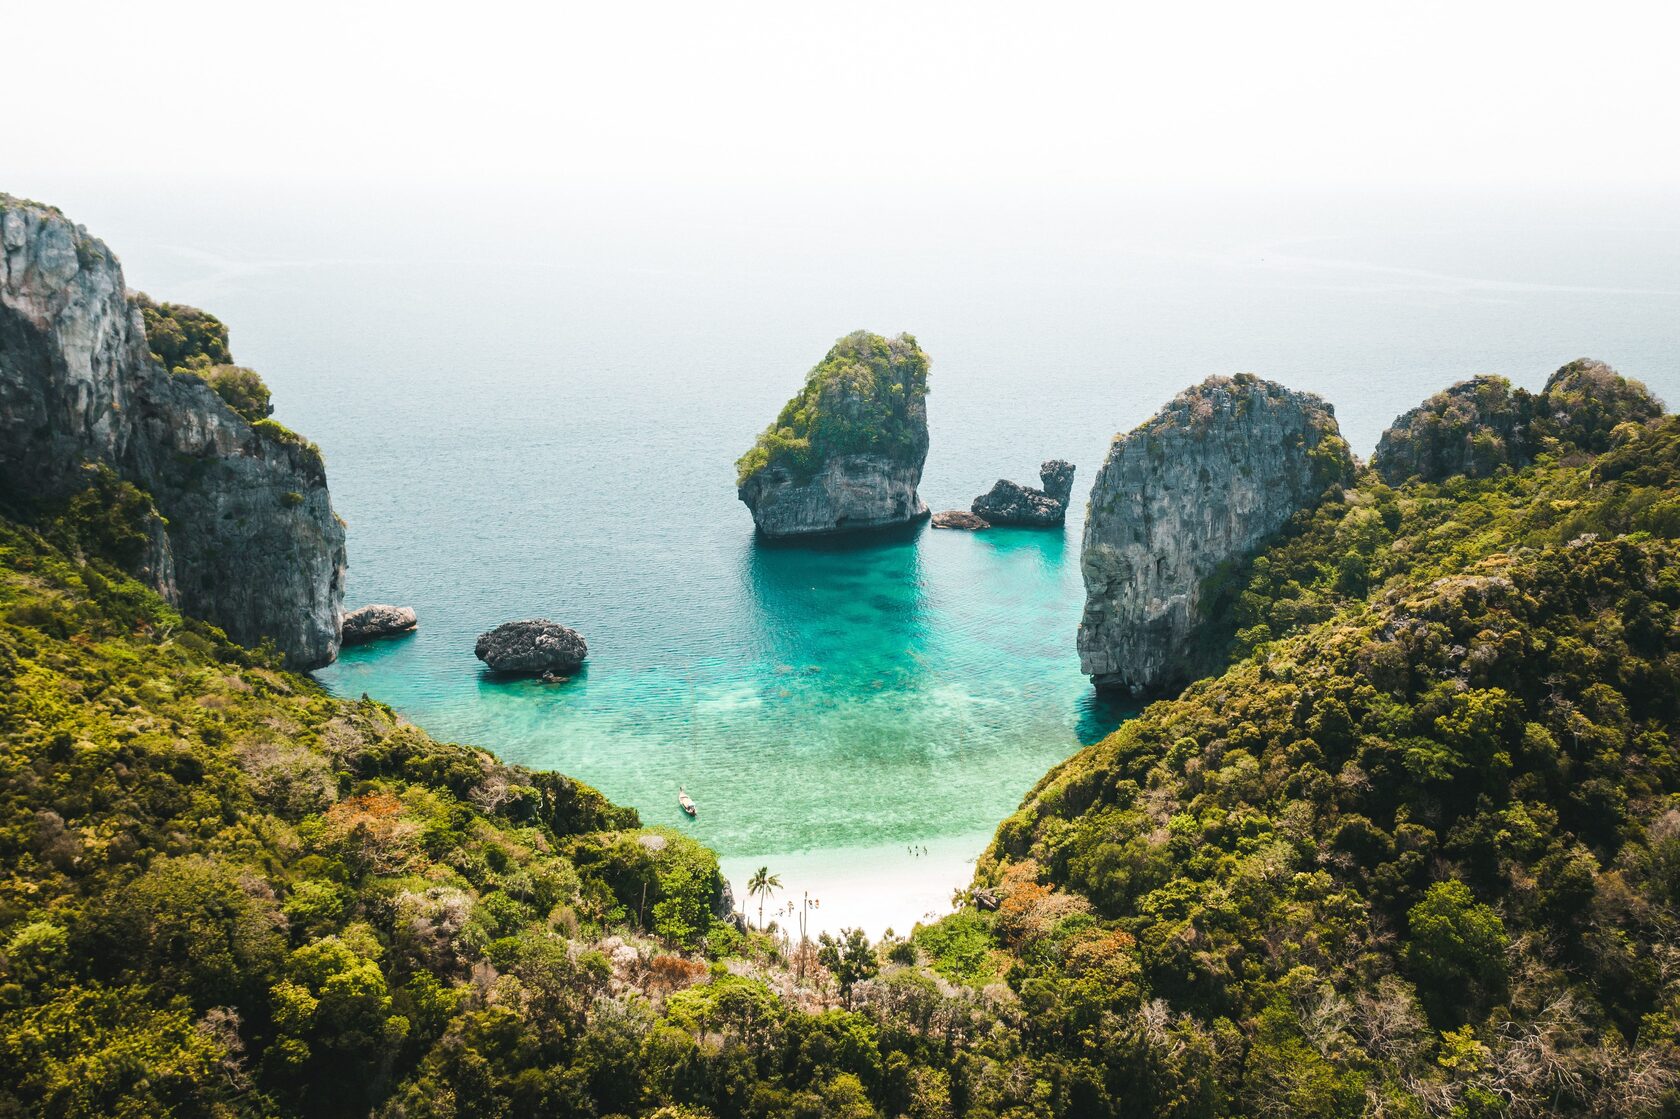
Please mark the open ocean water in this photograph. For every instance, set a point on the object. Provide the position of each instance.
(533, 409)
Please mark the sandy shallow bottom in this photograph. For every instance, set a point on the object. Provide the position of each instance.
(872, 888)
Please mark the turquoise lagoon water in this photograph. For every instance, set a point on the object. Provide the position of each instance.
(528, 410)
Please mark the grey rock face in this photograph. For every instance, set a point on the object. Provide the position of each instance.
(535, 648)
(1210, 478)
(1009, 503)
(1056, 476)
(850, 493)
(372, 622)
(252, 543)
(960, 519)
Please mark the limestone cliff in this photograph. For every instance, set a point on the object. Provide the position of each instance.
(1478, 426)
(846, 453)
(249, 539)
(1206, 481)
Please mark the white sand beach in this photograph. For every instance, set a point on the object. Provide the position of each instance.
(872, 888)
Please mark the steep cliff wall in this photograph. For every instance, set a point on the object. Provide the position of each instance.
(846, 453)
(251, 542)
(1210, 478)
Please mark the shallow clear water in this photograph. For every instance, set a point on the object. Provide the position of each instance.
(534, 410)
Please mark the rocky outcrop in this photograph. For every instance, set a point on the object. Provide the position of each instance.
(369, 623)
(1208, 480)
(1478, 426)
(846, 453)
(960, 519)
(251, 543)
(1009, 503)
(1472, 428)
(537, 647)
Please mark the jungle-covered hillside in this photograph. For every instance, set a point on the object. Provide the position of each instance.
(1415, 852)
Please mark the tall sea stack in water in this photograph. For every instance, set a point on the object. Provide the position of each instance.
(244, 534)
(1207, 480)
(846, 453)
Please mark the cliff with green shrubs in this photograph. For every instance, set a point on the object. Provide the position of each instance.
(94, 378)
(1416, 851)
(846, 453)
(1411, 849)
(224, 892)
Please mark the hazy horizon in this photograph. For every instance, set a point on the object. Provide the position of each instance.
(879, 97)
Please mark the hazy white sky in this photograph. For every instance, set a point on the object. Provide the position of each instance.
(900, 94)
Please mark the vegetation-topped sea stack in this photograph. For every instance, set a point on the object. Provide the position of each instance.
(846, 453)
(1182, 498)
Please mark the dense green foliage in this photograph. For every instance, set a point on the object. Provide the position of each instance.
(1420, 845)
(1478, 426)
(1415, 852)
(184, 339)
(220, 887)
(241, 389)
(866, 396)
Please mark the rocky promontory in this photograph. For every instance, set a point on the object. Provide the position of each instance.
(370, 623)
(245, 536)
(1207, 480)
(537, 647)
(846, 453)
(1478, 426)
(1010, 503)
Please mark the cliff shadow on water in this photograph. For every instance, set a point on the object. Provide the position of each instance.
(841, 605)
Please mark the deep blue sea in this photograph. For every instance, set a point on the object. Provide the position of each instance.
(532, 407)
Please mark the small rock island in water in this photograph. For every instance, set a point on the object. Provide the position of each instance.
(370, 623)
(846, 453)
(1010, 503)
(537, 647)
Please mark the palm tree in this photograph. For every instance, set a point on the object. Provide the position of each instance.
(761, 885)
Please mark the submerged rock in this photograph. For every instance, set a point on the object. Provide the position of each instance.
(372, 622)
(960, 519)
(537, 647)
(846, 453)
(247, 537)
(1009, 503)
(1209, 479)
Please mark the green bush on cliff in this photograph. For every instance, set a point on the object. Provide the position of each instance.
(184, 339)
(866, 396)
(241, 389)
